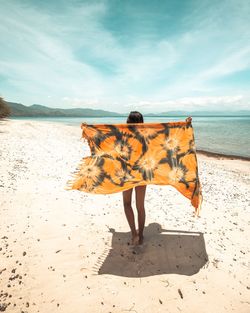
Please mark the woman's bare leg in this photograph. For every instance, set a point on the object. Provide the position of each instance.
(127, 199)
(140, 192)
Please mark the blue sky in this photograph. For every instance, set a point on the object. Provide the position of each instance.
(151, 56)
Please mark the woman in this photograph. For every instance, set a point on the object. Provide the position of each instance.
(140, 191)
(137, 236)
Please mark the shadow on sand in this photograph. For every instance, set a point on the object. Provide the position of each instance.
(163, 252)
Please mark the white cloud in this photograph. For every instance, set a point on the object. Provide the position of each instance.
(235, 62)
(54, 54)
(194, 104)
(79, 102)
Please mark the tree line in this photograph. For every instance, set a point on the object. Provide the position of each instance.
(4, 108)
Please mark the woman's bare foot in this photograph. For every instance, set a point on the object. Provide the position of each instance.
(141, 239)
(135, 239)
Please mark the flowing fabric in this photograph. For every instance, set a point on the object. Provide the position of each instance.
(127, 155)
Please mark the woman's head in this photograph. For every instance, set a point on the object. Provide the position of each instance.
(135, 117)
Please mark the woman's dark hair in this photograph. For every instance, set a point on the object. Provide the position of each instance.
(135, 117)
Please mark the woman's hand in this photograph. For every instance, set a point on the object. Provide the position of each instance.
(189, 119)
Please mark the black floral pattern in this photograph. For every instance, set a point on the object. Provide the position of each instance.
(127, 155)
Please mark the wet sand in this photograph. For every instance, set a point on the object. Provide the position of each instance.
(67, 251)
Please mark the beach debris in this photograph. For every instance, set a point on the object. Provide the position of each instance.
(3, 307)
(58, 251)
(180, 293)
(24, 253)
(166, 282)
(4, 269)
(160, 301)
(3, 294)
(51, 268)
(215, 263)
(12, 277)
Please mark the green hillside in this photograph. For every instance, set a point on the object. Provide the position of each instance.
(36, 110)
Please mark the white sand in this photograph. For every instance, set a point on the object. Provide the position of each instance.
(58, 255)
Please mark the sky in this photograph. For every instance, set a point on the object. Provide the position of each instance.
(123, 55)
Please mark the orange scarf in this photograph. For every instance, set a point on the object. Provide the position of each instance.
(127, 155)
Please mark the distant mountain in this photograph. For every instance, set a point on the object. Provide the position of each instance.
(37, 110)
(202, 113)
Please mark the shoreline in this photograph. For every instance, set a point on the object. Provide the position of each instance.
(207, 153)
(222, 156)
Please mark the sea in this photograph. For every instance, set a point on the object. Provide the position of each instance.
(227, 135)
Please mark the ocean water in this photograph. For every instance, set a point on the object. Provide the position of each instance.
(225, 135)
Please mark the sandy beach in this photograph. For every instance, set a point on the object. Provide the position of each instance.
(67, 251)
